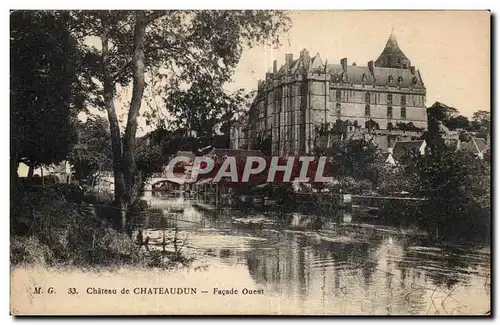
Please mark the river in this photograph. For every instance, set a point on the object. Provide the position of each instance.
(344, 266)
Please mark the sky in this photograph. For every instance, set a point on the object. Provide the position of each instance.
(450, 48)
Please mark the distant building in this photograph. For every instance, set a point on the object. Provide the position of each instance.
(386, 98)
(477, 146)
(404, 147)
(61, 171)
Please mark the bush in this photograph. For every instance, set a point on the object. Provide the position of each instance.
(73, 233)
(29, 250)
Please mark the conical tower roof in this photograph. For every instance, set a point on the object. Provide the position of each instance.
(392, 56)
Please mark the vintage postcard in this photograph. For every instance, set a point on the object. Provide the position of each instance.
(259, 162)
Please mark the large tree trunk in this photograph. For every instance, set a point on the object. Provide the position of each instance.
(131, 175)
(31, 172)
(120, 201)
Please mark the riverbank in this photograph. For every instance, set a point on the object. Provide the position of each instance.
(51, 226)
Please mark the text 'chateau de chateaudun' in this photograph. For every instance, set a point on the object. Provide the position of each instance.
(383, 101)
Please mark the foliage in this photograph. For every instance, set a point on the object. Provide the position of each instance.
(148, 159)
(203, 109)
(456, 185)
(458, 122)
(45, 91)
(264, 143)
(481, 122)
(407, 127)
(82, 237)
(92, 152)
(359, 159)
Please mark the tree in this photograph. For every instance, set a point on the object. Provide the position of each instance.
(441, 112)
(455, 184)
(481, 122)
(174, 49)
(457, 122)
(92, 152)
(45, 92)
(355, 158)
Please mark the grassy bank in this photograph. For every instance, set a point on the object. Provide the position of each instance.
(52, 227)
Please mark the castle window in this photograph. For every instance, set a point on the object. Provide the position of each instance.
(389, 111)
(389, 99)
(403, 100)
(367, 110)
(367, 97)
(338, 95)
(338, 110)
(403, 112)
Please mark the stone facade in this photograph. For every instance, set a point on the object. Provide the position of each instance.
(306, 93)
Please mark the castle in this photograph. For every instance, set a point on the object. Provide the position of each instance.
(385, 100)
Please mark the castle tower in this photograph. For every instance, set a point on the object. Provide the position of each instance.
(392, 56)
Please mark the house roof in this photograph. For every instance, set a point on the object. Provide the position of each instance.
(401, 147)
(475, 145)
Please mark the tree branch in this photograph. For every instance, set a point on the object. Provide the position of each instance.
(121, 71)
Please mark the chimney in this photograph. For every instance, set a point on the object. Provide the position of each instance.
(288, 60)
(370, 67)
(275, 66)
(412, 70)
(343, 62)
(305, 57)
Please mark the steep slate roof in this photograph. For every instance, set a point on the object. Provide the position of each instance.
(401, 147)
(392, 56)
(401, 76)
(355, 75)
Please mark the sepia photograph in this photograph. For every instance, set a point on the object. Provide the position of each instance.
(250, 162)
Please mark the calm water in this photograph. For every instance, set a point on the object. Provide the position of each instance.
(342, 266)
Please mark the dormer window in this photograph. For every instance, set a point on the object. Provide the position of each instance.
(364, 78)
(414, 80)
(390, 79)
(400, 80)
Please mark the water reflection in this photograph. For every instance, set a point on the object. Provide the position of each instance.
(333, 264)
